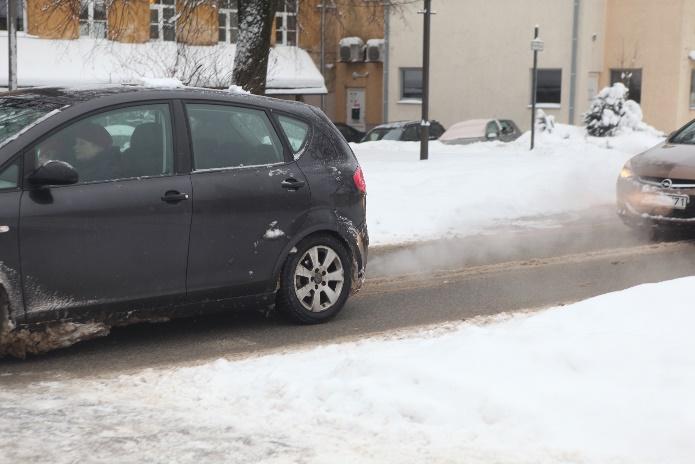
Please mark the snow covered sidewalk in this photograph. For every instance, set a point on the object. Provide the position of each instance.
(607, 380)
(468, 189)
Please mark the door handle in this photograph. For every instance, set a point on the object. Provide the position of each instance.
(292, 183)
(172, 196)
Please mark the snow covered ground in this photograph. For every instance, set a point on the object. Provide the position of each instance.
(464, 190)
(607, 380)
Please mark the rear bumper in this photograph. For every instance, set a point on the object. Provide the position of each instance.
(360, 252)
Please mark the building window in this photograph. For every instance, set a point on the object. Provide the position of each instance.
(632, 78)
(692, 89)
(549, 87)
(411, 83)
(286, 23)
(163, 20)
(21, 10)
(228, 21)
(93, 18)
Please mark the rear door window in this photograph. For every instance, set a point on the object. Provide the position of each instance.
(296, 131)
(411, 134)
(123, 143)
(227, 136)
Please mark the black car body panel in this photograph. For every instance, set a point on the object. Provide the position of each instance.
(117, 251)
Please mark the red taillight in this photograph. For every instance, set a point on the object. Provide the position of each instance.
(358, 177)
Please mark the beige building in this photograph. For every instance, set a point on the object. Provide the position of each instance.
(481, 58)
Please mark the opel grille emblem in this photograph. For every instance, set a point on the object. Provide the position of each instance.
(667, 183)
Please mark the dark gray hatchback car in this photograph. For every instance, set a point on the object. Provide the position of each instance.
(121, 204)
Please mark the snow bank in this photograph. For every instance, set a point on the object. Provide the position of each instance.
(468, 189)
(608, 380)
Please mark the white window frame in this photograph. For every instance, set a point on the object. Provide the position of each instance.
(228, 12)
(284, 15)
(159, 8)
(91, 22)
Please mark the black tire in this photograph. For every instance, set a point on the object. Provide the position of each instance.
(288, 299)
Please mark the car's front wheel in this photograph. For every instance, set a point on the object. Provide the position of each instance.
(315, 281)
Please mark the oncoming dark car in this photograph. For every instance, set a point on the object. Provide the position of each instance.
(404, 131)
(656, 188)
(201, 201)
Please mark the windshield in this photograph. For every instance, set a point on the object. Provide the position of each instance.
(18, 113)
(685, 135)
(384, 133)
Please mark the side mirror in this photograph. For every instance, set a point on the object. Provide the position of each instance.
(54, 173)
(491, 135)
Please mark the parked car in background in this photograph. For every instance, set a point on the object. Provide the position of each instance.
(404, 131)
(656, 188)
(480, 130)
(217, 201)
(351, 134)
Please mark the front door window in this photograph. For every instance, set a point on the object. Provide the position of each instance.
(119, 144)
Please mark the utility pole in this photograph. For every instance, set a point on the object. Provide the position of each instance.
(12, 45)
(323, 50)
(537, 46)
(425, 122)
(322, 61)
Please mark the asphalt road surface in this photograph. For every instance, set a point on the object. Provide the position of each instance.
(510, 269)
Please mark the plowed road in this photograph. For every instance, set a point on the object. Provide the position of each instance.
(506, 270)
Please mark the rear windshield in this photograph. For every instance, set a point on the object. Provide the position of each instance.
(17, 114)
(384, 134)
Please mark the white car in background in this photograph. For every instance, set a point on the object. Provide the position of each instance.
(480, 130)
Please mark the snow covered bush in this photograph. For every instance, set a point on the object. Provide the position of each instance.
(611, 110)
(606, 111)
(545, 122)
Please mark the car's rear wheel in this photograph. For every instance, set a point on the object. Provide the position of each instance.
(315, 281)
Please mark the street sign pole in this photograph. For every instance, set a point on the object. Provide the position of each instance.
(12, 45)
(425, 121)
(536, 46)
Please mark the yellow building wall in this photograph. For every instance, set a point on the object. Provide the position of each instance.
(368, 76)
(366, 22)
(129, 21)
(648, 35)
(197, 25)
(53, 20)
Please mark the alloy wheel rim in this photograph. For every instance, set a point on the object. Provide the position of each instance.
(318, 278)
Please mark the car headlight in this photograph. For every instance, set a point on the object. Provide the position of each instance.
(626, 172)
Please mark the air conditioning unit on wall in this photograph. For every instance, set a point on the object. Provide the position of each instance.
(375, 50)
(351, 49)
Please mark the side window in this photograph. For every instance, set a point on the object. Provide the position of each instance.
(296, 132)
(507, 127)
(228, 136)
(411, 134)
(436, 130)
(9, 176)
(123, 143)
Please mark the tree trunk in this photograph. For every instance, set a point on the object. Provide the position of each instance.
(253, 44)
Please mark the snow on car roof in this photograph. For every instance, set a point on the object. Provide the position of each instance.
(472, 128)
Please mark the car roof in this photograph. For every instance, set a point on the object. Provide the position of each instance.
(115, 93)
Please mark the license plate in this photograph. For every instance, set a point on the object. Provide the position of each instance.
(666, 200)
